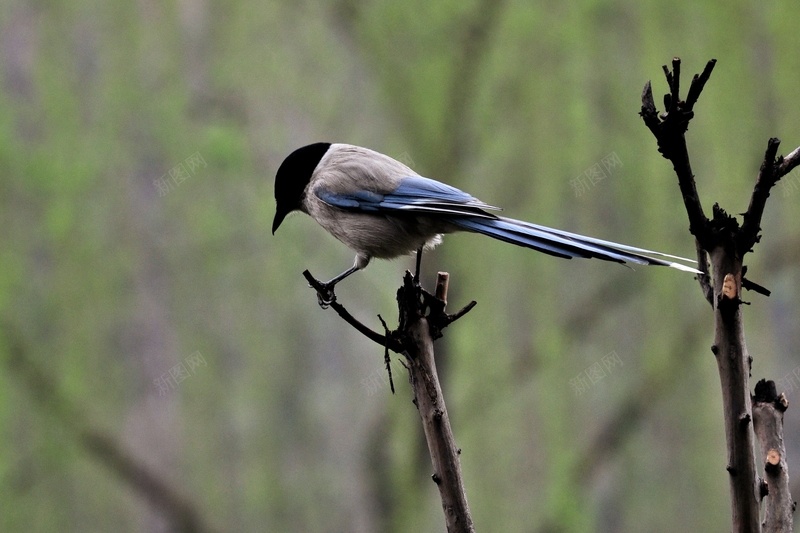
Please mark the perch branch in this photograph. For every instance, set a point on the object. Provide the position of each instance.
(422, 319)
(386, 341)
(431, 305)
(430, 404)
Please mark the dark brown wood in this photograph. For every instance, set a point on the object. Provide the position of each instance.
(722, 240)
(733, 363)
(327, 299)
(768, 409)
(422, 319)
(444, 453)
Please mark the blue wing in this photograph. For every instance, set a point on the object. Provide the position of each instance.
(414, 194)
(418, 195)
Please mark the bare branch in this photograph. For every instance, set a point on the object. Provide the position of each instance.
(429, 400)
(725, 243)
(386, 341)
(767, 177)
(669, 129)
(422, 319)
(733, 362)
(698, 83)
(773, 168)
(789, 162)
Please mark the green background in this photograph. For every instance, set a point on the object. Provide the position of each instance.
(138, 146)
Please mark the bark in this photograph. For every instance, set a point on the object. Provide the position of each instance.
(422, 319)
(733, 363)
(768, 409)
(726, 243)
(444, 453)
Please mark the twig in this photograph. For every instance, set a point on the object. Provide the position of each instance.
(387, 360)
(705, 278)
(768, 176)
(699, 83)
(386, 341)
(773, 168)
(752, 286)
(669, 129)
(789, 162)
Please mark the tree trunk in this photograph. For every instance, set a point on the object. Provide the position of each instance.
(733, 363)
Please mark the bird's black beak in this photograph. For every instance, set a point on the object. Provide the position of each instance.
(279, 216)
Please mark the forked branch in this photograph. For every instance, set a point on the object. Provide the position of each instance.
(421, 321)
(722, 240)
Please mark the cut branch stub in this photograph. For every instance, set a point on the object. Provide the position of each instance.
(729, 287)
(773, 462)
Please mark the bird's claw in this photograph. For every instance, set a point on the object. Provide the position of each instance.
(325, 296)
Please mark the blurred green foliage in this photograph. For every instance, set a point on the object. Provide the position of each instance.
(122, 254)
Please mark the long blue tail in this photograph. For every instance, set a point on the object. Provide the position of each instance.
(564, 244)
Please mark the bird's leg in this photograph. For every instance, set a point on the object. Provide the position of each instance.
(325, 295)
(419, 265)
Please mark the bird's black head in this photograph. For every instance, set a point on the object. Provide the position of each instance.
(293, 177)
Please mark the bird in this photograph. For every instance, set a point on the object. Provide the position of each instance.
(381, 208)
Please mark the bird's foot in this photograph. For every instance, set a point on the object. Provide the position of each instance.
(325, 295)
